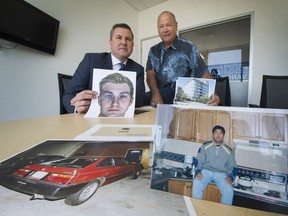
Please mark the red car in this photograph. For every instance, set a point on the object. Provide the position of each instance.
(75, 178)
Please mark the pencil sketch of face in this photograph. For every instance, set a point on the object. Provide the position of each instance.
(116, 95)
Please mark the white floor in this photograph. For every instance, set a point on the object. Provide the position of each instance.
(122, 198)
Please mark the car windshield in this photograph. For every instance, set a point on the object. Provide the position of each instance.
(120, 161)
(72, 162)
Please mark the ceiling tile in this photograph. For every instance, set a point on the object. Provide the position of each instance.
(140, 5)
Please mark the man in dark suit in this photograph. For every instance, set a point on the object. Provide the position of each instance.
(79, 94)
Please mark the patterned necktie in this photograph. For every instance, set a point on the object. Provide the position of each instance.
(121, 66)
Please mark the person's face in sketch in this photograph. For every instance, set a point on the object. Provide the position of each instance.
(121, 43)
(167, 28)
(218, 136)
(114, 100)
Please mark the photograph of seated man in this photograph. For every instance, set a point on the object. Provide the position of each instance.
(115, 95)
(216, 161)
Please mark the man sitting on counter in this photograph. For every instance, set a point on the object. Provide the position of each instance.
(216, 161)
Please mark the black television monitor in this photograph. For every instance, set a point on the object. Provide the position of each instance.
(22, 23)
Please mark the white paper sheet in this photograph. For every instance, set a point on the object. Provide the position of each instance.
(119, 133)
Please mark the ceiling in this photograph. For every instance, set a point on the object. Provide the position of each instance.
(140, 5)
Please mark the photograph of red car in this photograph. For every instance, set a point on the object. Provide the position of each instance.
(75, 177)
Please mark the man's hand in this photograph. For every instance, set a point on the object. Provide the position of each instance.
(214, 101)
(228, 180)
(82, 100)
(152, 83)
(199, 176)
(156, 99)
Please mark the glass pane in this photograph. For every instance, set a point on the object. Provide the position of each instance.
(224, 47)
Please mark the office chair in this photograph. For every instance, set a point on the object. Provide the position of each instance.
(63, 82)
(274, 92)
(222, 89)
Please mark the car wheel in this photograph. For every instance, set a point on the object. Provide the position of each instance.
(135, 174)
(83, 195)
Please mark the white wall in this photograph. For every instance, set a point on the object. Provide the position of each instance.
(28, 78)
(269, 30)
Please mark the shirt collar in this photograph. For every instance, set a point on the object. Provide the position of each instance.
(218, 143)
(115, 62)
(173, 45)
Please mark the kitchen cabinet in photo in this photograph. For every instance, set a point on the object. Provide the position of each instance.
(183, 124)
(196, 125)
(180, 187)
(273, 127)
(184, 187)
(206, 120)
(245, 125)
(212, 193)
(260, 126)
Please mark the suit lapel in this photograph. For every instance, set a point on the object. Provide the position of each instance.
(108, 62)
(128, 66)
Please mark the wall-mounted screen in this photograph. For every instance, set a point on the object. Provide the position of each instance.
(22, 23)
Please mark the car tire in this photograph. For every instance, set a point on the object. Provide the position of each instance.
(83, 195)
(135, 174)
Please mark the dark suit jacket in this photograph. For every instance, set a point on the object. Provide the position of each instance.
(83, 77)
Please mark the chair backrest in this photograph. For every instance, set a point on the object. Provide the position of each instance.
(274, 92)
(222, 89)
(63, 82)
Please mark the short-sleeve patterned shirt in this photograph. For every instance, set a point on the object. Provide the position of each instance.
(180, 60)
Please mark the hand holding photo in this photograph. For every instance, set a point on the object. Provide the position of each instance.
(191, 90)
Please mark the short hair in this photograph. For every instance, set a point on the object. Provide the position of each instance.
(116, 78)
(168, 12)
(120, 25)
(218, 127)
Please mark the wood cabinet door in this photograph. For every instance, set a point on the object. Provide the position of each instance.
(204, 122)
(245, 125)
(223, 118)
(180, 187)
(183, 127)
(272, 127)
(212, 193)
(188, 189)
